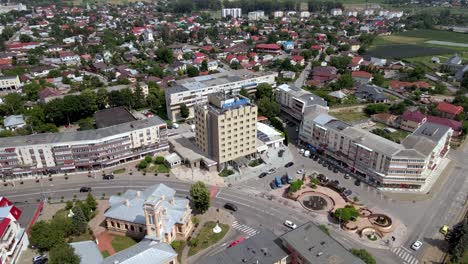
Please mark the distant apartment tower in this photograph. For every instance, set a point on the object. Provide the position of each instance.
(233, 12)
(256, 15)
(226, 128)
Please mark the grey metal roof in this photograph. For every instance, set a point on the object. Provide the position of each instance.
(431, 131)
(13, 120)
(46, 138)
(373, 92)
(145, 252)
(308, 240)
(88, 252)
(129, 206)
(372, 141)
(264, 247)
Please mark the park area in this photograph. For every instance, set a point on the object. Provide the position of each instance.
(420, 43)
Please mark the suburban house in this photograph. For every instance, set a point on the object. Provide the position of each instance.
(412, 120)
(386, 118)
(371, 93)
(361, 76)
(13, 122)
(449, 110)
(324, 73)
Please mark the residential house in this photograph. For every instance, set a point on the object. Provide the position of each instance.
(324, 73)
(412, 120)
(268, 48)
(297, 60)
(399, 86)
(456, 126)
(14, 122)
(40, 71)
(10, 84)
(69, 57)
(448, 110)
(371, 93)
(387, 119)
(361, 77)
(47, 93)
(355, 63)
(336, 12)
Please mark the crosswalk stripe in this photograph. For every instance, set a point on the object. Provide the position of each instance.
(408, 257)
(396, 250)
(403, 254)
(413, 261)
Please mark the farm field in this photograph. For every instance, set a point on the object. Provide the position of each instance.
(402, 51)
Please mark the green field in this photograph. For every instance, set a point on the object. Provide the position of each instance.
(427, 34)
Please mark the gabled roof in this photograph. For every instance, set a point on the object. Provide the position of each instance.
(449, 108)
(145, 252)
(361, 74)
(414, 116)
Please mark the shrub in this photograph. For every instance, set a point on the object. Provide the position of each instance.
(148, 159)
(295, 186)
(226, 172)
(143, 164)
(159, 160)
(364, 255)
(69, 205)
(346, 214)
(324, 229)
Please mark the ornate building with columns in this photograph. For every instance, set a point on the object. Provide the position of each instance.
(154, 214)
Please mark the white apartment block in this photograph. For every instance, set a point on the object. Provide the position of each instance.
(336, 12)
(226, 128)
(256, 15)
(10, 84)
(60, 153)
(406, 166)
(278, 14)
(192, 91)
(304, 14)
(13, 238)
(296, 101)
(233, 12)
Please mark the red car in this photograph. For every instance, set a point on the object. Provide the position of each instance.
(235, 242)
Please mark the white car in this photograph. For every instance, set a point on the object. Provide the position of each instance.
(290, 224)
(416, 245)
(300, 171)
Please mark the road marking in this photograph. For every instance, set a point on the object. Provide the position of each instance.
(244, 229)
(218, 193)
(405, 254)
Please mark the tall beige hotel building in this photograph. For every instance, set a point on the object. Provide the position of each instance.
(226, 128)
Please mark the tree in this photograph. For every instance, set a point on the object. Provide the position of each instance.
(346, 214)
(295, 185)
(268, 107)
(91, 202)
(62, 223)
(165, 55)
(364, 255)
(142, 165)
(345, 81)
(79, 221)
(264, 90)
(378, 79)
(192, 71)
(200, 196)
(25, 38)
(372, 109)
(440, 89)
(244, 92)
(464, 82)
(159, 160)
(340, 62)
(184, 111)
(204, 65)
(63, 253)
(457, 239)
(43, 236)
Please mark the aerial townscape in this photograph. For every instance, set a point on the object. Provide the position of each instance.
(233, 131)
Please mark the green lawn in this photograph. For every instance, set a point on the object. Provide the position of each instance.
(207, 238)
(120, 171)
(120, 243)
(178, 246)
(428, 34)
(349, 116)
(105, 254)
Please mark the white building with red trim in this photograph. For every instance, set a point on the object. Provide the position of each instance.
(13, 238)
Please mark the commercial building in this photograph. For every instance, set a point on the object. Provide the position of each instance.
(296, 101)
(308, 244)
(225, 128)
(233, 12)
(51, 153)
(13, 238)
(192, 91)
(10, 84)
(388, 164)
(155, 213)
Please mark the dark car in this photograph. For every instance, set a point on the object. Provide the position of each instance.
(108, 177)
(85, 189)
(347, 192)
(289, 164)
(263, 174)
(357, 183)
(230, 206)
(273, 185)
(40, 259)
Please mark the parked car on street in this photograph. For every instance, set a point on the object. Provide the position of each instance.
(231, 207)
(263, 174)
(278, 182)
(416, 245)
(273, 185)
(289, 164)
(347, 192)
(235, 242)
(270, 171)
(357, 183)
(108, 177)
(300, 171)
(85, 189)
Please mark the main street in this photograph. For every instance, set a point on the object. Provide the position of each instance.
(255, 211)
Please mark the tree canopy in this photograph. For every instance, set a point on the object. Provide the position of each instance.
(63, 253)
(364, 255)
(200, 196)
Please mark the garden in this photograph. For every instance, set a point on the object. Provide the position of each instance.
(206, 237)
(153, 165)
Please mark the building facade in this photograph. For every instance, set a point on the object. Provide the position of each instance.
(388, 164)
(155, 214)
(192, 91)
(59, 153)
(10, 84)
(233, 12)
(256, 15)
(225, 128)
(13, 238)
(296, 101)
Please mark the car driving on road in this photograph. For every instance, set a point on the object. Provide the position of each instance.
(290, 224)
(85, 189)
(416, 245)
(231, 207)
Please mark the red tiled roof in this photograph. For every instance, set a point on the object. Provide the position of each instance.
(356, 60)
(268, 46)
(415, 116)
(316, 47)
(361, 74)
(395, 84)
(297, 58)
(455, 125)
(4, 225)
(449, 108)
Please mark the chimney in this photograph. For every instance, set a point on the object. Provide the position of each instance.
(127, 202)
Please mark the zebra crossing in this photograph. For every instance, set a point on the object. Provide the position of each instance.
(405, 255)
(244, 229)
